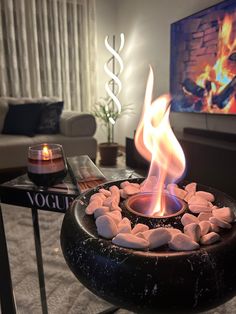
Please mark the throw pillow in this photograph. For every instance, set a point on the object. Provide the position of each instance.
(22, 119)
(49, 122)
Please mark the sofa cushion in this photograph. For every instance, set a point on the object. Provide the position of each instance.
(77, 124)
(3, 112)
(22, 119)
(49, 122)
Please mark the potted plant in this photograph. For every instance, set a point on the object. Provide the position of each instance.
(105, 111)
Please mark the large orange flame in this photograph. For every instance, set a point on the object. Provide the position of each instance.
(156, 142)
(223, 71)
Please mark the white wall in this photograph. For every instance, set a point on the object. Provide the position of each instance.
(146, 24)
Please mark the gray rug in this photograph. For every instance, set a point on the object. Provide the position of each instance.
(65, 294)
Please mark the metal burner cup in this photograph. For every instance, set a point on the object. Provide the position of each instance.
(140, 204)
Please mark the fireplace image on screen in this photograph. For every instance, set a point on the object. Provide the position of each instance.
(203, 61)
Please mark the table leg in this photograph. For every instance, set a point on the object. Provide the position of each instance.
(39, 258)
(6, 291)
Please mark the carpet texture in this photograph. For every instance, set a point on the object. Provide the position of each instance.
(65, 294)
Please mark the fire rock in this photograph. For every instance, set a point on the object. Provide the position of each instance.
(115, 193)
(96, 196)
(188, 196)
(205, 227)
(182, 242)
(220, 223)
(204, 216)
(178, 192)
(188, 219)
(131, 241)
(92, 206)
(115, 215)
(193, 230)
(224, 213)
(197, 200)
(158, 237)
(173, 231)
(131, 190)
(210, 238)
(215, 228)
(199, 208)
(191, 187)
(139, 228)
(206, 195)
(123, 184)
(108, 201)
(124, 226)
(113, 206)
(106, 227)
(105, 192)
(100, 211)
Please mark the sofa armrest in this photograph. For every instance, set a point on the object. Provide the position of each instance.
(77, 124)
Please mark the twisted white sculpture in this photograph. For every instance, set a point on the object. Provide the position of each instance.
(114, 77)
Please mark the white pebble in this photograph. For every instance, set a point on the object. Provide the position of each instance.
(193, 230)
(191, 187)
(106, 227)
(196, 209)
(224, 213)
(100, 211)
(197, 200)
(188, 196)
(108, 201)
(92, 206)
(182, 242)
(131, 190)
(178, 192)
(115, 215)
(123, 184)
(105, 192)
(158, 237)
(173, 231)
(139, 228)
(114, 206)
(205, 227)
(122, 194)
(96, 196)
(115, 193)
(131, 241)
(188, 219)
(206, 195)
(215, 228)
(204, 216)
(210, 238)
(124, 226)
(220, 223)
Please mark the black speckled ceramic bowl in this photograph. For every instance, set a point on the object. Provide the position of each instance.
(161, 281)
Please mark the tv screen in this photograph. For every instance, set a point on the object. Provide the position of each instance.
(203, 61)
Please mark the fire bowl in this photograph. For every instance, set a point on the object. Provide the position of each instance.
(162, 281)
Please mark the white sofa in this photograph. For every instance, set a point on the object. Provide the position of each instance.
(75, 135)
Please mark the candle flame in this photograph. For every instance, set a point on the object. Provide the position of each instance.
(46, 153)
(156, 142)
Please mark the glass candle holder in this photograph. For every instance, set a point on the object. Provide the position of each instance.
(46, 164)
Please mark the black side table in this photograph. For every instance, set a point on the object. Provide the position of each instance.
(22, 192)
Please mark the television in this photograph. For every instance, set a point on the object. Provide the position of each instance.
(203, 61)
